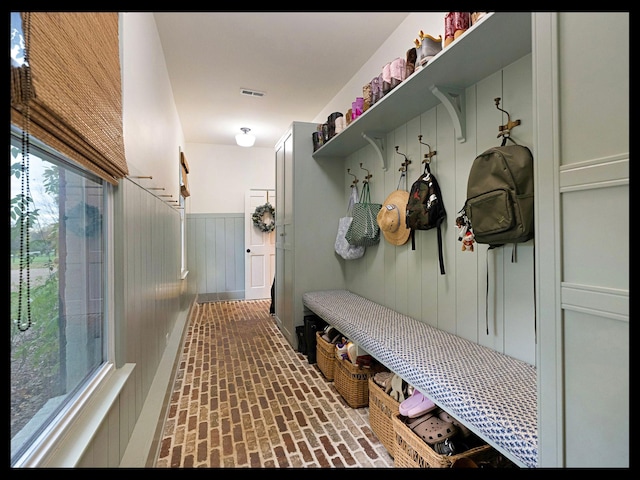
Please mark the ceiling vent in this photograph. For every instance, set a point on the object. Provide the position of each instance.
(251, 93)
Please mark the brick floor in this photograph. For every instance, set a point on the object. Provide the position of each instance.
(244, 398)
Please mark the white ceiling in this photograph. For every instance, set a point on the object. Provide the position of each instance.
(300, 60)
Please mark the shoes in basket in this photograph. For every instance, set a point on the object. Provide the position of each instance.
(383, 380)
(433, 430)
(464, 431)
(397, 390)
(416, 405)
(341, 351)
(330, 334)
(446, 447)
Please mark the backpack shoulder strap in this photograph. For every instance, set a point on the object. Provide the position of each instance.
(440, 256)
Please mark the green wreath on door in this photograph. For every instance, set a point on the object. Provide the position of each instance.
(258, 217)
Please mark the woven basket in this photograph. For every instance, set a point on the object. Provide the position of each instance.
(325, 356)
(352, 382)
(382, 408)
(410, 451)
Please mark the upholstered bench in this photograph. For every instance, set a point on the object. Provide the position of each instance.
(493, 394)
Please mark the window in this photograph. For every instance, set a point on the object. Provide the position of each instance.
(57, 333)
(60, 349)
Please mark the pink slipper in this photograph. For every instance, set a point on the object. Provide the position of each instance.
(425, 406)
(414, 400)
(416, 405)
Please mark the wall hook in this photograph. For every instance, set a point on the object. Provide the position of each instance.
(355, 179)
(406, 162)
(427, 156)
(366, 179)
(505, 130)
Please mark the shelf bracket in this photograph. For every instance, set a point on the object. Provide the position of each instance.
(453, 101)
(377, 140)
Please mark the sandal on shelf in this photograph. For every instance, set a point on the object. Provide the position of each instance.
(416, 405)
(432, 429)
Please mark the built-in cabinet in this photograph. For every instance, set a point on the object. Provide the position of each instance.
(581, 112)
(309, 196)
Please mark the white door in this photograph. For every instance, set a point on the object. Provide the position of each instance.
(259, 247)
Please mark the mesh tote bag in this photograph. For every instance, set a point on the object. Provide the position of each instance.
(342, 246)
(364, 230)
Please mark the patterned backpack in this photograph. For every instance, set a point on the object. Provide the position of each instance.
(425, 209)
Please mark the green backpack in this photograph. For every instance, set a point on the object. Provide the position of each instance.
(499, 203)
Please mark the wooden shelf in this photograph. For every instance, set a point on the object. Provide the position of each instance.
(496, 41)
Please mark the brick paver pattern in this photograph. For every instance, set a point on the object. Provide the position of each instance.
(243, 397)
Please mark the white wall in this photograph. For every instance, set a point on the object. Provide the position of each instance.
(401, 40)
(152, 130)
(220, 175)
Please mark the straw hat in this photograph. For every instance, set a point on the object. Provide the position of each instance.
(392, 218)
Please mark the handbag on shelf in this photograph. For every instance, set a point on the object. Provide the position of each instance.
(364, 230)
(342, 246)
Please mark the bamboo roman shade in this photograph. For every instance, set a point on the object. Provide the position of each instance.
(76, 94)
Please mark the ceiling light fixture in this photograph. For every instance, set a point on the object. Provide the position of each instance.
(245, 139)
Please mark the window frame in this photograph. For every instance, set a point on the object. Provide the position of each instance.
(58, 426)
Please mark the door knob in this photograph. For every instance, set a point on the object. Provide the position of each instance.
(248, 250)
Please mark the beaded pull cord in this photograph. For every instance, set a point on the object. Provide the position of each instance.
(24, 289)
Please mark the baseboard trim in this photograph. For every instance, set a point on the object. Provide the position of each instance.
(144, 443)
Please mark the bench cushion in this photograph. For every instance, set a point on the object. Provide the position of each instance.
(493, 394)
